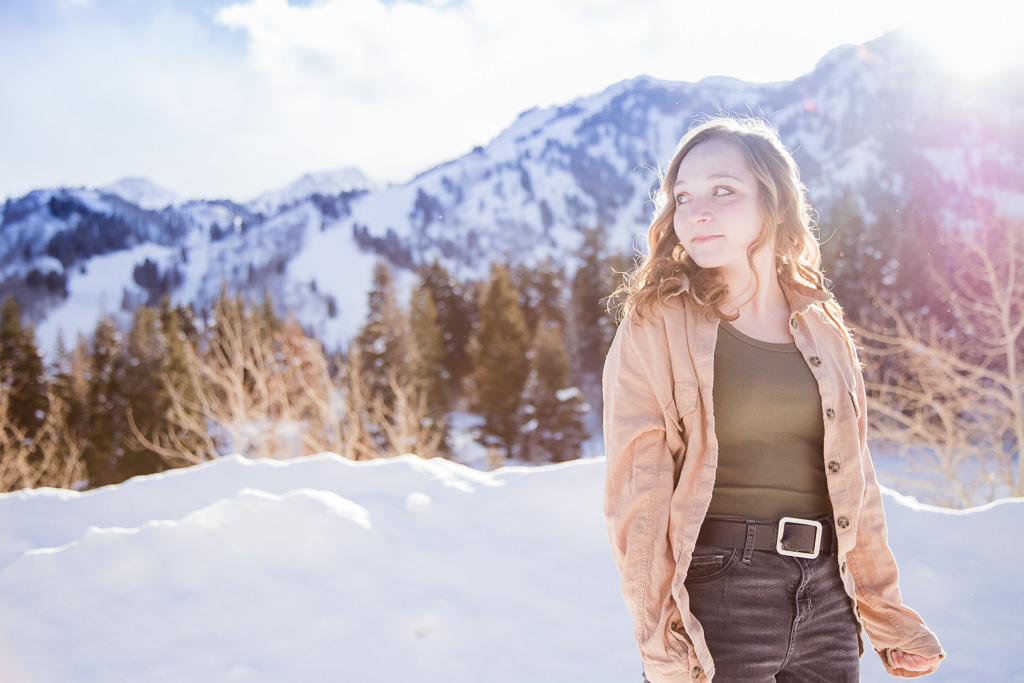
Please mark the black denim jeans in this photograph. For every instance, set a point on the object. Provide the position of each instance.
(774, 617)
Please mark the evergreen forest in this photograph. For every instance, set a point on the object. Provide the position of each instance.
(514, 360)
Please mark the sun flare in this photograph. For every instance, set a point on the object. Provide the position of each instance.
(975, 43)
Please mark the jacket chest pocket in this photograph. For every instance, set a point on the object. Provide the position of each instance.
(853, 399)
(848, 382)
(685, 398)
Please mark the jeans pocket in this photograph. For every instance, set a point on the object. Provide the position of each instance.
(709, 563)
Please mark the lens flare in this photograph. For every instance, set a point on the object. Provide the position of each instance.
(976, 42)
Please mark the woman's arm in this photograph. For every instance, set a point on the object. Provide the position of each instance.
(896, 631)
(638, 491)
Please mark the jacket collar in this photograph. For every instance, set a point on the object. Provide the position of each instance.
(800, 296)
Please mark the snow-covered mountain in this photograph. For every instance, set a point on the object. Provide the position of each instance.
(877, 127)
(143, 193)
(325, 183)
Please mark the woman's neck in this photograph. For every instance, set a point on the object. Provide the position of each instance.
(760, 303)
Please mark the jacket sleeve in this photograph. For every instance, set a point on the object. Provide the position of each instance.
(890, 624)
(638, 492)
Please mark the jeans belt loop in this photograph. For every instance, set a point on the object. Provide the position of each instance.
(748, 547)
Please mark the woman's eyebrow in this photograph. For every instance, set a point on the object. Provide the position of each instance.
(713, 176)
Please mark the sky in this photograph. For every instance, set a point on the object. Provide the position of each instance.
(231, 98)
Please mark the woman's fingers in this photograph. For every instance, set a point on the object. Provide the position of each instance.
(911, 662)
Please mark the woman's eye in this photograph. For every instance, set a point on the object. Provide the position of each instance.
(722, 191)
(682, 199)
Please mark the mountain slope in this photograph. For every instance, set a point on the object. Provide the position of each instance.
(143, 193)
(876, 129)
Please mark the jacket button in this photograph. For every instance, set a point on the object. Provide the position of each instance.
(830, 414)
(843, 522)
(815, 360)
(697, 671)
(842, 570)
(833, 467)
(792, 323)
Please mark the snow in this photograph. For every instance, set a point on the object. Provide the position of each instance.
(951, 164)
(322, 569)
(326, 183)
(92, 200)
(727, 83)
(483, 211)
(566, 394)
(387, 208)
(143, 193)
(97, 290)
(341, 270)
(205, 214)
(35, 230)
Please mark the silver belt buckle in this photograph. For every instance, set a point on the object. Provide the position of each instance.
(796, 553)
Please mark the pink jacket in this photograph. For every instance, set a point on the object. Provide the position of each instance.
(659, 431)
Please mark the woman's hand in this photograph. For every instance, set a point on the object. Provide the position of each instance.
(905, 660)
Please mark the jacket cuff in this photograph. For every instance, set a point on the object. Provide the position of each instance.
(925, 650)
(673, 672)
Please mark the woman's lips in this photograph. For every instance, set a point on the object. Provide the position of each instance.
(705, 238)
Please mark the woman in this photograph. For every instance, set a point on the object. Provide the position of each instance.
(741, 502)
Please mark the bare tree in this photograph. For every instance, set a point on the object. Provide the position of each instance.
(274, 396)
(51, 455)
(950, 397)
(407, 424)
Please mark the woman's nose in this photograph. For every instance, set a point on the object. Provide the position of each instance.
(699, 211)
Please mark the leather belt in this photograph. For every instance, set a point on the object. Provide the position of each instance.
(798, 536)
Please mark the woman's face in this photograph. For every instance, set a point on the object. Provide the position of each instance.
(717, 216)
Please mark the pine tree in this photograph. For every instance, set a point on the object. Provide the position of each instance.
(555, 428)
(426, 367)
(500, 365)
(383, 340)
(847, 253)
(71, 387)
(455, 315)
(145, 357)
(542, 293)
(175, 324)
(26, 394)
(180, 339)
(593, 283)
(107, 407)
(21, 370)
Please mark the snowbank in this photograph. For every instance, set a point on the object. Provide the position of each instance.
(320, 569)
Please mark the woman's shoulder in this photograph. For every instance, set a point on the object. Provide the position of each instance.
(830, 317)
(657, 313)
(651, 328)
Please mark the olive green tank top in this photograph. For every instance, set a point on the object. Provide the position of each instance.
(770, 432)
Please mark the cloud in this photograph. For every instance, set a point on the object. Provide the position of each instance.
(230, 99)
(401, 86)
(98, 94)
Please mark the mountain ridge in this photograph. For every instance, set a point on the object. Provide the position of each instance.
(871, 127)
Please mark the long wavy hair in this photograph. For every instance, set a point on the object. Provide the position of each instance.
(666, 270)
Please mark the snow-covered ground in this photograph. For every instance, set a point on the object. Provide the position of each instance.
(321, 569)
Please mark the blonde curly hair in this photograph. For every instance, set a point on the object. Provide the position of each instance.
(785, 213)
